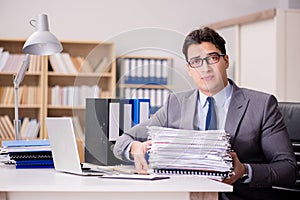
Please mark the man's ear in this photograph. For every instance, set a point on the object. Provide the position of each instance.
(226, 59)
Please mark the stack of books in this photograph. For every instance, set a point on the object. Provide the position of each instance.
(190, 152)
(28, 153)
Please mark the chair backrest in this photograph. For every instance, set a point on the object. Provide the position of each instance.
(291, 117)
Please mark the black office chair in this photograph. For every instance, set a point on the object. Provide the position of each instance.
(291, 115)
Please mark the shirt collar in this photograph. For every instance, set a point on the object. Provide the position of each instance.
(220, 98)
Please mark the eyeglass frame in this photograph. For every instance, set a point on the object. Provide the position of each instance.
(206, 59)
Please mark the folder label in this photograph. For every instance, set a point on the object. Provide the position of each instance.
(114, 116)
(127, 117)
(144, 111)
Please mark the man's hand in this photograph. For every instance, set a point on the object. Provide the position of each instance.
(138, 151)
(238, 170)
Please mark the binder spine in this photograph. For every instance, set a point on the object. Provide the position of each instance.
(22, 164)
(190, 172)
(30, 155)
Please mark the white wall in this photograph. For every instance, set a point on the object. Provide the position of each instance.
(153, 27)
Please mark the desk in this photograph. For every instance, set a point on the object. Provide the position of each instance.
(36, 184)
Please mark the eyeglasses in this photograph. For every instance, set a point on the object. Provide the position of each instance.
(211, 59)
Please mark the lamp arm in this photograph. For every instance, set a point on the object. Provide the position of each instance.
(17, 81)
(21, 73)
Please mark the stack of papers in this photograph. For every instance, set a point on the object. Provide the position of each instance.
(191, 152)
(4, 157)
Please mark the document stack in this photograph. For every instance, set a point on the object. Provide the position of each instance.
(190, 152)
(28, 153)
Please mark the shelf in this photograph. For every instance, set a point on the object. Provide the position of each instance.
(21, 106)
(148, 86)
(7, 78)
(105, 74)
(66, 107)
(76, 79)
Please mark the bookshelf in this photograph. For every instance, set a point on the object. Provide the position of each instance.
(30, 105)
(95, 67)
(144, 77)
(88, 77)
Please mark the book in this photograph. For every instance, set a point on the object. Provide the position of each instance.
(32, 63)
(14, 62)
(54, 64)
(3, 59)
(25, 143)
(32, 129)
(24, 127)
(4, 133)
(30, 155)
(10, 127)
(36, 163)
(5, 125)
(23, 97)
(85, 65)
(102, 66)
(68, 63)
(76, 63)
(60, 62)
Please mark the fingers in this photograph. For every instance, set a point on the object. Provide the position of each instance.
(140, 163)
(231, 179)
(147, 145)
(138, 150)
(238, 169)
(148, 142)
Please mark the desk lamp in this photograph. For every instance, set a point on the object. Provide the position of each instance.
(41, 42)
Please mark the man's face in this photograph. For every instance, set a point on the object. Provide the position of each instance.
(209, 78)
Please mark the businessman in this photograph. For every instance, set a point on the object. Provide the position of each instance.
(263, 155)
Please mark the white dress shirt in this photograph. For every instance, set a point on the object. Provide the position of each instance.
(222, 101)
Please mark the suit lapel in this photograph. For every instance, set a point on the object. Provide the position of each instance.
(188, 109)
(236, 110)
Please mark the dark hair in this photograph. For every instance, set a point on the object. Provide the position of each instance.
(200, 35)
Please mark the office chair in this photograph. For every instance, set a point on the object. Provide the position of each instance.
(291, 116)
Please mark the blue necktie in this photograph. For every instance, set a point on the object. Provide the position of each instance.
(211, 119)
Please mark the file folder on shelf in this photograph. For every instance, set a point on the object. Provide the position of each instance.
(143, 70)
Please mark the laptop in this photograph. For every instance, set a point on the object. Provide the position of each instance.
(64, 147)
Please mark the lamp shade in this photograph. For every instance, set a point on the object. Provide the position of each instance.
(42, 42)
